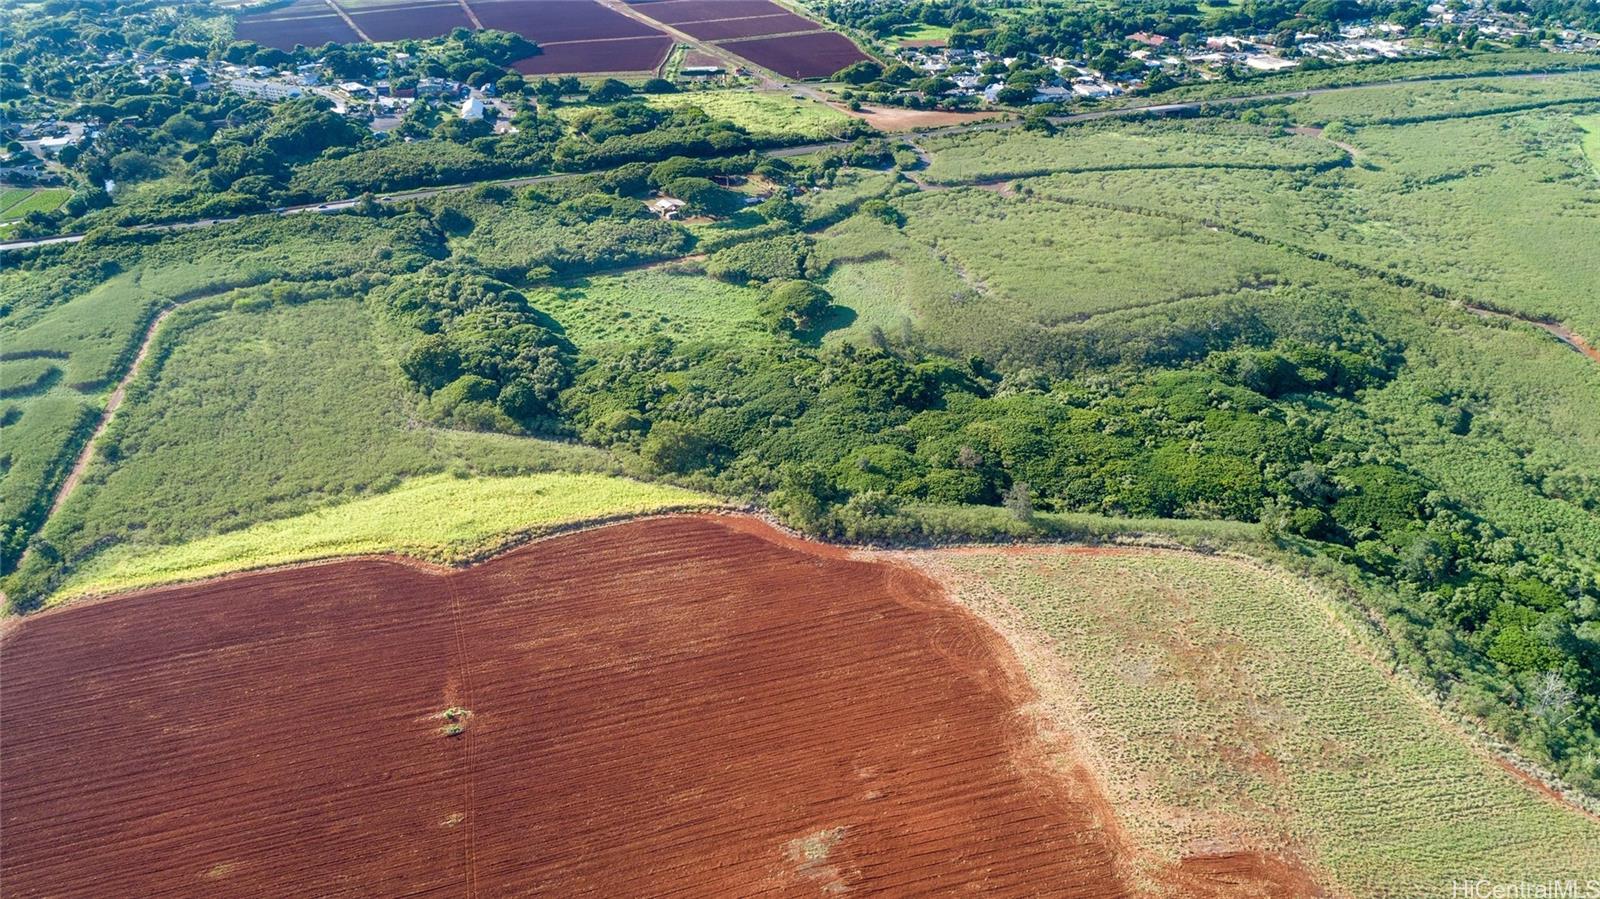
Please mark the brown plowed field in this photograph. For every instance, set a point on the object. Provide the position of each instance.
(688, 706)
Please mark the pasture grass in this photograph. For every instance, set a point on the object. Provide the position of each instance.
(88, 317)
(636, 305)
(1034, 264)
(36, 453)
(251, 416)
(1590, 124)
(1223, 704)
(919, 32)
(1495, 208)
(95, 334)
(1397, 104)
(759, 112)
(436, 517)
(995, 155)
(20, 377)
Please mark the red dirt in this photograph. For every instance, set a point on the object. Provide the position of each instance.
(410, 23)
(285, 34)
(628, 54)
(815, 55)
(555, 21)
(1560, 332)
(674, 12)
(889, 118)
(750, 26)
(1238, 874)
(692, 705)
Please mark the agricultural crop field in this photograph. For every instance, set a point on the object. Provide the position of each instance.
(389, 23)
(634, 54)
(1192, 505)
(614, 663)
(816, 54)
(309, 23)
(16, 202)
(575, 36)
(1227, 706)
(761, 31)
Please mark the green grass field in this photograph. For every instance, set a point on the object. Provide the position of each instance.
(293, 408)
(1467, 96)
(758, 112)
(1590, 125)
(438, 517)
(766, 113)
(992, 155)
(919, 34)
(1224, 706)
(1488, 206)
(636, 305)
(16, 202)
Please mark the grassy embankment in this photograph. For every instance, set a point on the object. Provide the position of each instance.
(435, 517)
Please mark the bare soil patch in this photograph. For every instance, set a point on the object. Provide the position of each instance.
(695, 705)
(891, 118)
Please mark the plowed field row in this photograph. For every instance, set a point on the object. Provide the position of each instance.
(684, 706)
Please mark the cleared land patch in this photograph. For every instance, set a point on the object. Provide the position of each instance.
(1227, 709)
(793, 721)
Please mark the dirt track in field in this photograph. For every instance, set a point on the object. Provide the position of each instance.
(679, 706)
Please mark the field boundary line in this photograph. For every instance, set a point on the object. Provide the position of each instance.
(472, 14)
(333, 5)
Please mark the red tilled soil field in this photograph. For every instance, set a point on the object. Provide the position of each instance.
(674, 12)
(411, 22)
(721, 29)
(688, 705)
(627, 54)
(551, 21)
(285, 33)
(815, 55)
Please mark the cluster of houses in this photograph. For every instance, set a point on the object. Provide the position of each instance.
(962, 68)
(380, 102)
(1209, 57)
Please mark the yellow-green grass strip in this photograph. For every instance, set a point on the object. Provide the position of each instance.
(1591, 139)
(438, 517)
(759, 112)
